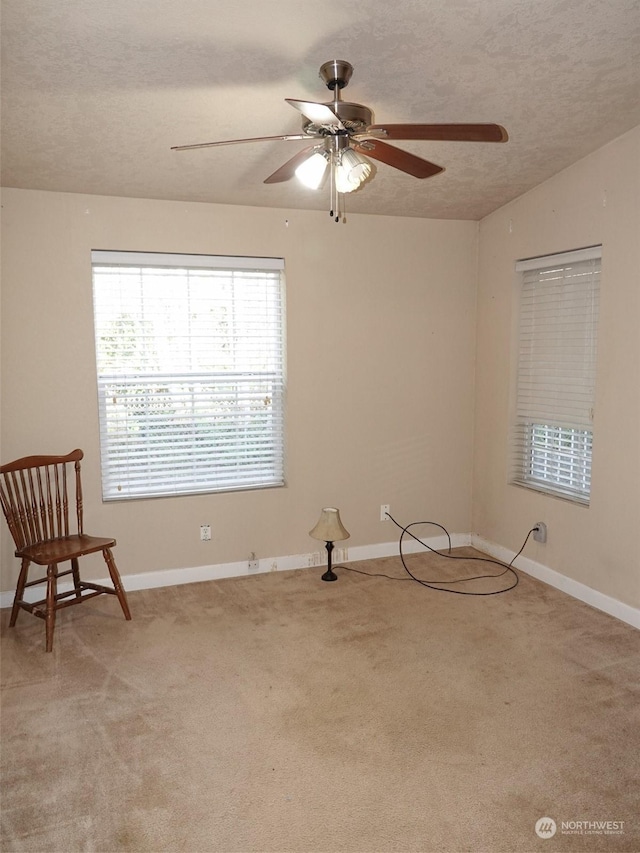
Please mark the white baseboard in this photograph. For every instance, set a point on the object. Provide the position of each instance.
(599, 600)
(196, 574)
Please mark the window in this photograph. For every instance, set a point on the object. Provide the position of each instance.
(552, 438)
(190, 359)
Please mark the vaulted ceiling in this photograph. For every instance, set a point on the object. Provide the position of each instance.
(95, 93)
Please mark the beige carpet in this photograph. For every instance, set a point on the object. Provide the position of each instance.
(280, 713)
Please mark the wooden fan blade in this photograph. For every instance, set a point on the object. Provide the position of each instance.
(393, 156)
(319, 114)
(442, 132)
(287, 170)
(236, 141)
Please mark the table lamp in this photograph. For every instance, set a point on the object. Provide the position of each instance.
(329, 529)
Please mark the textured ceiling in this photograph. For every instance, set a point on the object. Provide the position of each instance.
(95, 93)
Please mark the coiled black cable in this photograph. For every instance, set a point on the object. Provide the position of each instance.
(436, 584)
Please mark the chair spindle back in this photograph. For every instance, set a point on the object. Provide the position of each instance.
(34, 492)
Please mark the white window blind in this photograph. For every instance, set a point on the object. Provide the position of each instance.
(552, 437)
(191, 373)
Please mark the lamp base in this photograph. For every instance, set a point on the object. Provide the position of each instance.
(329, 575)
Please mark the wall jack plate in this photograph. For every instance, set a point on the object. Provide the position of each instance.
(540, 534)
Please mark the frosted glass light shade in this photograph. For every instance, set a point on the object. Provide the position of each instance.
(343, 182)
(329, 527)
(357, 168)
(311, 172)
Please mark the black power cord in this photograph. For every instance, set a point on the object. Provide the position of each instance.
(435, 584)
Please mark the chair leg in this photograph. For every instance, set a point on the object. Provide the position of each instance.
(50, 616)
(22, 579)
(75, 573)
(117, 583)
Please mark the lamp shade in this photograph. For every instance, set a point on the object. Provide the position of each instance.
(358, 169)
(329, 527)
(343, 182)
(311, 171)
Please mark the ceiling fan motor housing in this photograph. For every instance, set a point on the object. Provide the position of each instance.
(355, 117)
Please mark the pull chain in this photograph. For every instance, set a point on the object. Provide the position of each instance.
(334, 212)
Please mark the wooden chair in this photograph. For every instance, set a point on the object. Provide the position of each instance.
(35, 502)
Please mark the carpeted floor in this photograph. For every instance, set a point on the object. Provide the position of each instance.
(279, 713)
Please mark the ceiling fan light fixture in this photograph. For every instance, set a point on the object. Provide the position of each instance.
(312, 171)
(344, 184)
(351, 171)
(357, 167)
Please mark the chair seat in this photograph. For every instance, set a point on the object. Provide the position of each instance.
(66, 548)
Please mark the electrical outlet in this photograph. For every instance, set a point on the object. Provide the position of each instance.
(205, 532)
(384, 509)
(540, 531)
(254, 564)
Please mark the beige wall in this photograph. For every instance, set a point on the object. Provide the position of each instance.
(382, 327)
(595, 201)
(381, 342)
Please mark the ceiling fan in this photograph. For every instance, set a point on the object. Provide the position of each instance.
(345, 137)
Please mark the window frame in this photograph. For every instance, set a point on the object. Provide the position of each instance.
(216, 430)
(551, 436)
